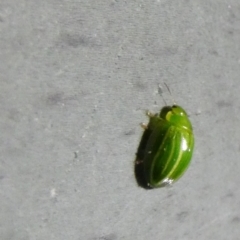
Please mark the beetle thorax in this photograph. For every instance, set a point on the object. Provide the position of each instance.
(177, 116)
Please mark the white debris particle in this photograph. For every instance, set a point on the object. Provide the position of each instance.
(53, 193)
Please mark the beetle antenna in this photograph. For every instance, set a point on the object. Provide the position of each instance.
(160, 91)
(170, 93)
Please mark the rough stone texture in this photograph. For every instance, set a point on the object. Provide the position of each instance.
(75, 79)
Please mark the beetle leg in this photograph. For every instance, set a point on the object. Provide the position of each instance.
(144, 125)
(138, 161)
(150, 114)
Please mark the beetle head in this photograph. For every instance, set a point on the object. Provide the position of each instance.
(176, 115)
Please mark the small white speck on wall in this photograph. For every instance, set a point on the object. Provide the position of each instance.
(53, 193)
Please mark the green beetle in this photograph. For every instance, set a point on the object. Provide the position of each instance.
(166, 148)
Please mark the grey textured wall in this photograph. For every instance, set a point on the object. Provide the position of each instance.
(75, 79)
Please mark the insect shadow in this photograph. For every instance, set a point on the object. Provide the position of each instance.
(139, 166)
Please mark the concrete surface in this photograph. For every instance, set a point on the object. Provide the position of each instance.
(75, 80)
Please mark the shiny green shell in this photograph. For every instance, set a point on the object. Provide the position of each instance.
(169, 148)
